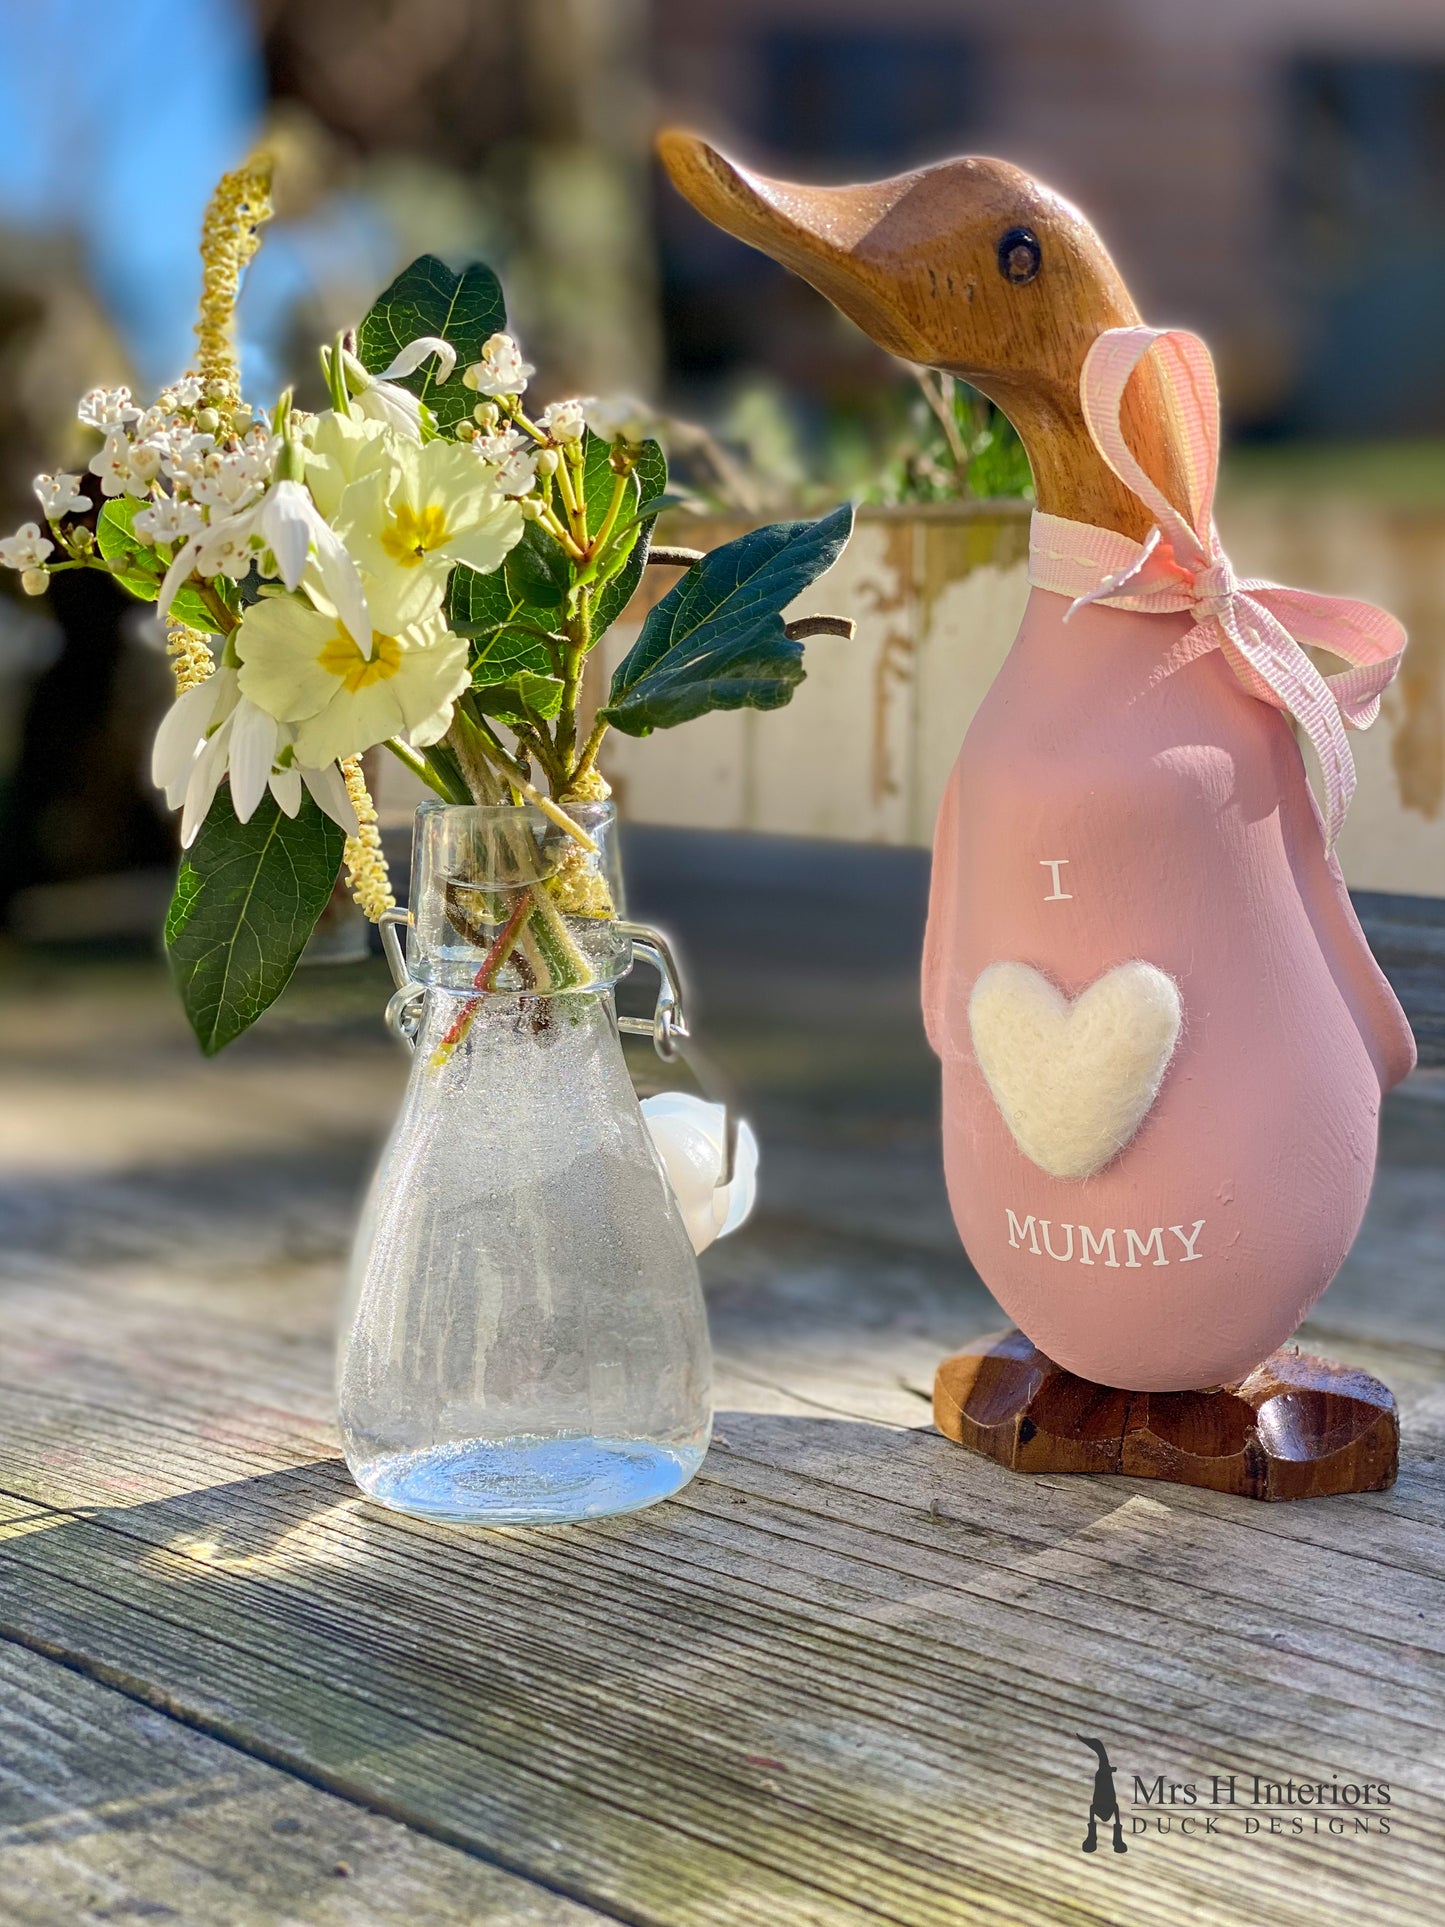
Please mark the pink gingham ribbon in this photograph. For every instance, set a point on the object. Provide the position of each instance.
(1259, 625)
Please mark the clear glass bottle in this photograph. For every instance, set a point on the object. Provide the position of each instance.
(525, 1340)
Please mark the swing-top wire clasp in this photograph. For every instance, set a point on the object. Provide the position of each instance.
(667, 1026)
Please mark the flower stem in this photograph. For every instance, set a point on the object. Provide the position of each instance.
(421, 766)
(584, 762)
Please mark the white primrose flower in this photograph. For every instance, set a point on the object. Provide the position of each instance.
(689, 1135)
(301, 665)
(620, 418)
(565, 421)
(501, 370)
(339, 448)
(418, 510)
(60, 495)
(107, 409)
(27, 548)
(213, 730)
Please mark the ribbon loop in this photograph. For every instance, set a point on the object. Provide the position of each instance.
(1261, 626)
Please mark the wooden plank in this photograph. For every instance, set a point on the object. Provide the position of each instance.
(616, 1688)
(110, 1810)
(838, 1681)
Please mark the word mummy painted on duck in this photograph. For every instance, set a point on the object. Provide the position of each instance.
(1068, 1243)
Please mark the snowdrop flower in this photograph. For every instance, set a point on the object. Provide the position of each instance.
(379, 397)
(501, 370)
(565, 421)
(620, 418)
(689, 1134)
(107, 409)
(27, 548)
(168, 520)
(213, 730)
(60, 495)
(301, 665)
(395, 408)
(285, 521)
(420, 510)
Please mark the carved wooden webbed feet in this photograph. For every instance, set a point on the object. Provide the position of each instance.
(1298, 1427)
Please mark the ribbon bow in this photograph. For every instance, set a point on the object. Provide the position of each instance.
(1259, 625)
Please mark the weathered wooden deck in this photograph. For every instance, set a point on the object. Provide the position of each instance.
(839, 1680)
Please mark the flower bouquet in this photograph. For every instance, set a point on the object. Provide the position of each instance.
(427, 565)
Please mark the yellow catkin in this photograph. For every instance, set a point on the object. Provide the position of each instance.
(190, 655)
(241, 202)
(367, 876)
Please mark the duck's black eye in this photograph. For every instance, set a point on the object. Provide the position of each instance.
(1019, 255)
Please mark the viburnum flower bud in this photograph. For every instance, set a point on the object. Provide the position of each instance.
(547, 460)
(26, 549)
(501, 370)
(565, 421)
(60, 495)
(531, 508)
(486, 414)
(35, 581)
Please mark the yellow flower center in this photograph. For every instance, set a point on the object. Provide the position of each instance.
(341, 658)
(410, 535)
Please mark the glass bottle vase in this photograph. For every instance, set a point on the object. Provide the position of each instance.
(525, 1340)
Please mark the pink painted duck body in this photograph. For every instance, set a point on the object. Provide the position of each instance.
(1129, 793)
(1177, 808)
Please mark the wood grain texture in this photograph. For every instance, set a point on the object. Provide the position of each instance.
(918, 262)
(1298, 1427)
(836, 1682)
(112, 1811)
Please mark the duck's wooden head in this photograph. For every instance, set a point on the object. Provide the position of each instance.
(971, 266)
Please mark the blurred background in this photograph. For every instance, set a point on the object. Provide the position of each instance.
(1268, 172)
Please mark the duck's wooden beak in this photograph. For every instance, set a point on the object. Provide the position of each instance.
(818, 232)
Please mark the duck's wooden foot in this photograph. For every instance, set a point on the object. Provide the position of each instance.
(1297, 1428)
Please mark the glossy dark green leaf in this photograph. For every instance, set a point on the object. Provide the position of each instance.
(247, 897)
(428, 299)
(145, 569)
(507, 628)
(520, 697)
(648, 484)
(716, 640)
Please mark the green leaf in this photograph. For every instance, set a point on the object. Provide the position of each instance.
(247, 898)
(716, 640)
(508, 629)
(643, 507)
(145, 569)
(512, 700)
(536, 571)
(428, 299)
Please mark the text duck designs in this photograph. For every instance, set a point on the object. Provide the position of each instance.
(1159, 1021)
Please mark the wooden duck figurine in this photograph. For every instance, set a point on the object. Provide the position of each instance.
(1164, 1039)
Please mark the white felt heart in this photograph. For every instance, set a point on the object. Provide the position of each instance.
(1074, 1081)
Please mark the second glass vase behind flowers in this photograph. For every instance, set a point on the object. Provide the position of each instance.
(525, 1340)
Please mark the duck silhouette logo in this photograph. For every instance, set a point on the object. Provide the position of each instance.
(1104, 1804)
